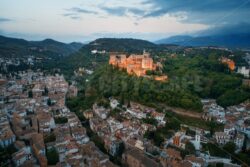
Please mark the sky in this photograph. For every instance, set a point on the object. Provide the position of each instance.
(86, 20)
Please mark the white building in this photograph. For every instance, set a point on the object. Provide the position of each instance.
(197, 142)
(239, 140)
(244, 71)
(222, 137)
(229, 129)
(113, 103)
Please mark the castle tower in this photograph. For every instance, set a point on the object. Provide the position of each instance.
(147, 63)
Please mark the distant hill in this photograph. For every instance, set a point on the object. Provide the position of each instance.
(19, 47)
(231, 41)
(121, 44)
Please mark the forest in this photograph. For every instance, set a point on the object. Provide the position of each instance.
(190, 79)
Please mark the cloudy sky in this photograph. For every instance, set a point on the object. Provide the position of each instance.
(85, 20)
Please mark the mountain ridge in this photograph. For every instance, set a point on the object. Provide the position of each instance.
(19, 47)
(229, 40)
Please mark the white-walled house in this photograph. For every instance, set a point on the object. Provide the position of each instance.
(244, 71)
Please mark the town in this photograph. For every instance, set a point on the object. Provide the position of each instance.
(136, 83)
(41, 129)
(37, 124)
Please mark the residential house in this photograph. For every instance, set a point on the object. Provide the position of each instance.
(171, 158)
(79, 134)
(136, 158)
(88, 114)
(222, 137)
(244, 71)
(239, 141)
(45, 122)
(196, 161)
(7, 137)
(72, 92)
(159, 117)
(100, 111)
(21, 156)
(113, 103)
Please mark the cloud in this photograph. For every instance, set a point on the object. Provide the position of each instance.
(2, 19)
(68, 14)
(123, 11)
(76, 12)
(156, 13)
(207, 12)
(202, 6)
(75, 17)
(81, 10)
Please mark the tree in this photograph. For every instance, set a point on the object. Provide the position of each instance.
(52, 156)
(49, 103)
(46, 91)
(189, 148)
(49, 138)
(219, 165)
(129, 105)
(30, 94)
(190, 132)
(5, 154)
(121, 149)
(230, 147)
(61, 120)
(150, 120)
(122, 99)
(155, 136)
(232, 97)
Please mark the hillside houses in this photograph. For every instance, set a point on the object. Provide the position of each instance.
(100, 111)
(33, 121)
(7, 137)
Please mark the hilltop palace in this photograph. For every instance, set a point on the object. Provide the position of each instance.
(136, 64)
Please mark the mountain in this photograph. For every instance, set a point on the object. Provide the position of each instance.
(48, 47)
(230, 41)
(174, 39)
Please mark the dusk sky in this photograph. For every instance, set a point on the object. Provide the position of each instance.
(85, 20)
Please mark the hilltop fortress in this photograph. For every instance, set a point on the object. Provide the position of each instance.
(136, 64)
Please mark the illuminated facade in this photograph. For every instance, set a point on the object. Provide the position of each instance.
(134, 64)
(230, 63)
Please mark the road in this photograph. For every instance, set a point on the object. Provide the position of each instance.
(184, 112)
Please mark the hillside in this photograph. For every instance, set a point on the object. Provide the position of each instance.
(201, 77)
(108, 81)
(231, 41)
(84, 57)
(19, 47)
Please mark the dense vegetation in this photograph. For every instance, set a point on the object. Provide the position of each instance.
(52, 156)
(61, 120)
(125, 45)
(109, 81)
(206, 77)
(6, 155)
(198, 74)
(190, 78)
(82, 58)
